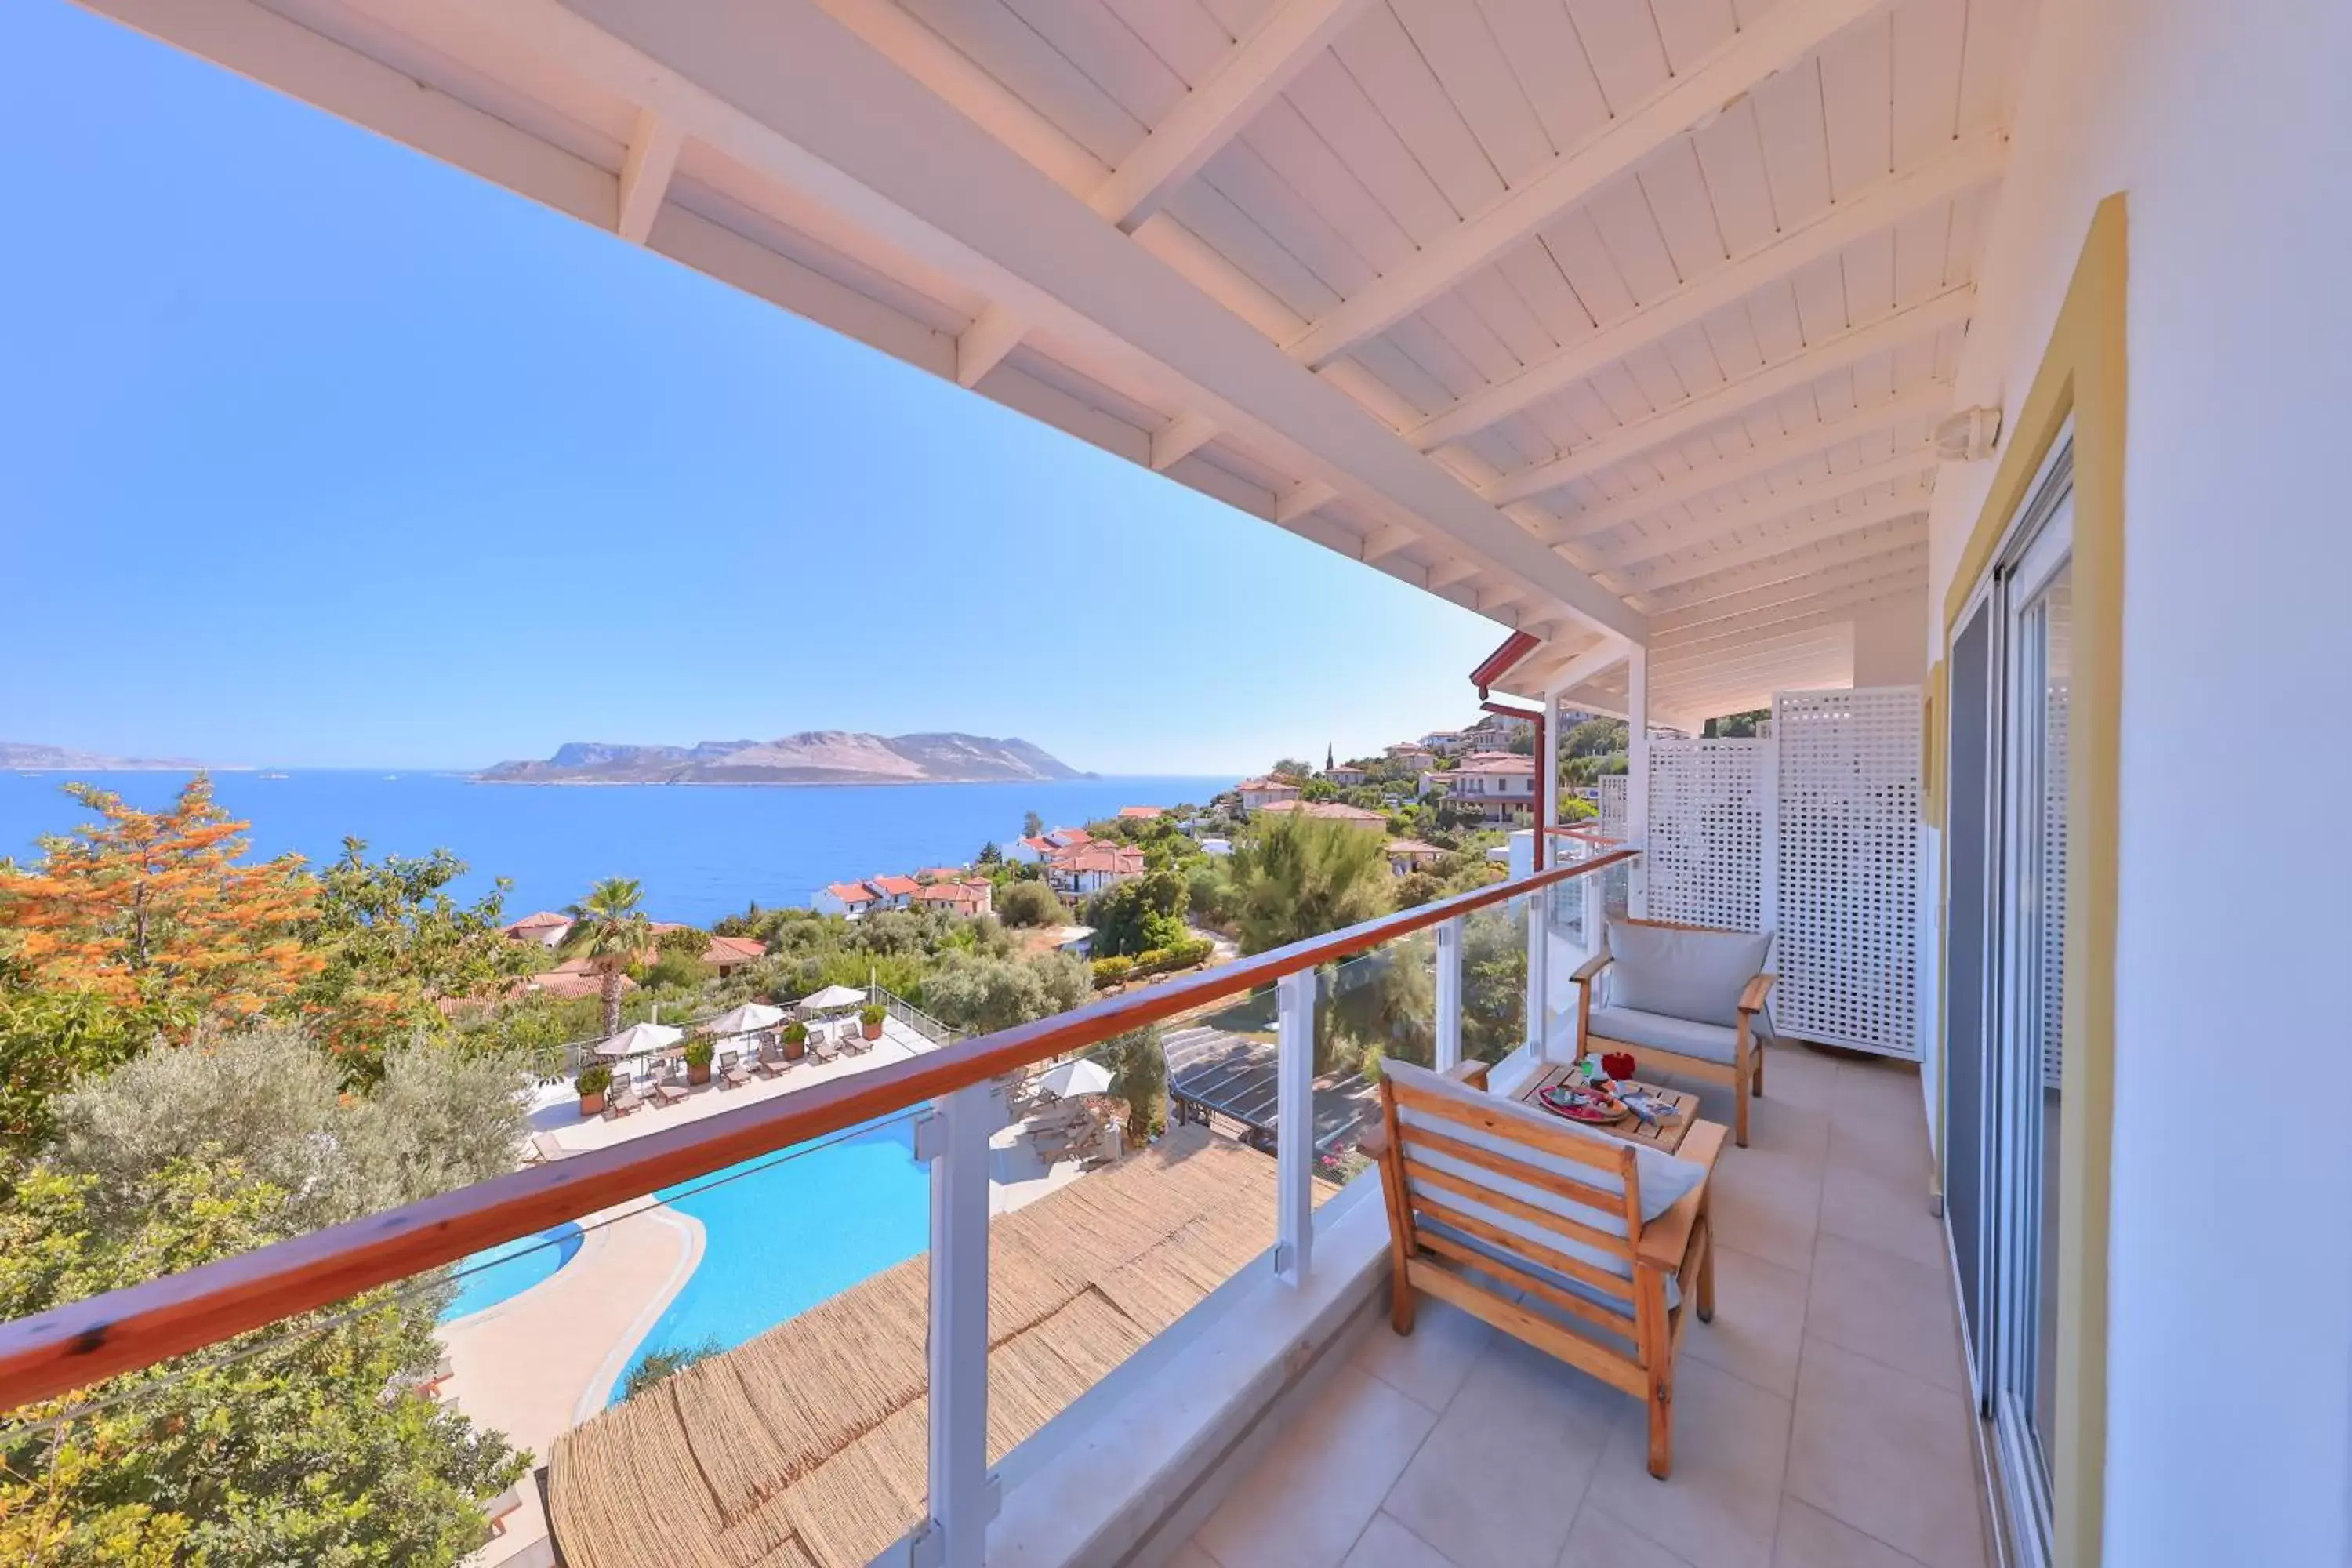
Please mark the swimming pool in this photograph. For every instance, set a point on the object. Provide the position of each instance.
(508, 1270)
(782, 1235)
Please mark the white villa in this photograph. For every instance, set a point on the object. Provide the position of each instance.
(1963, 380)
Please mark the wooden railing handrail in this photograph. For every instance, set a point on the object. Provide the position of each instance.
(73, 1346)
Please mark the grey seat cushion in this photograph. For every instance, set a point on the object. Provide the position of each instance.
(1692, 975)
(1707, 1042)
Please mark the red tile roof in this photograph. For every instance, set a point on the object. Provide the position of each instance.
(939, 874)
(1260, 787)
(851, 892)
(897, 887)
(1499, 763)
(544, 920)
(734, 950)
(1117, 859)
(1142, 812)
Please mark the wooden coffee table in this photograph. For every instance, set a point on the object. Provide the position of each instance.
(1665, 1137)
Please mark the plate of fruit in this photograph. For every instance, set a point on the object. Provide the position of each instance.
(1595, 1102)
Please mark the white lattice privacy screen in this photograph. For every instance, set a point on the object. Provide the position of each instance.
(1612, 805)
(1848, 868)
(1711, 810)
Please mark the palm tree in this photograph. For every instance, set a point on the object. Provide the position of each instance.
(612, 932)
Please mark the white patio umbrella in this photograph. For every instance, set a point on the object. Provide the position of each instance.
(1084, 1075)
(749, 1018)
(639, 1040)
(832, 998)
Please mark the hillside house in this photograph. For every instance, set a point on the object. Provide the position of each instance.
(850, 899)
(1260, 793)
(1082, 871)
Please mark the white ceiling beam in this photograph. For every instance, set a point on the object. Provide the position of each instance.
(1812, 530)
(1805, 615)
(1885, 570)
(982, 347)
(1828, 653)
(1179, 439)
(1806, 441)
(810, 104)
(1305, 496)
(1784, 35)
(1214, 113)
(1673, 423)
(1908, 534)
(1967, 164)
(961, 82)
(644, 175)
(1805, 641)
(1389, 539)
(1746, 691)
(1447, 573)
(1639, 553)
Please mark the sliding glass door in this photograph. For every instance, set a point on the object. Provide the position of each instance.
(2013, 672)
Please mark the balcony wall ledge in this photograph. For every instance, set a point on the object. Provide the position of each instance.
(1125, 1474)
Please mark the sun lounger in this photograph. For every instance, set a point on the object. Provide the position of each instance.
(732, 1073)
(773, 1063)
(626, 1103)
(668, 1093)
(544, 1149)
(823, 1046)
(854, 1040)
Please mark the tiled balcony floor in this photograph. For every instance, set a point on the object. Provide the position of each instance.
(1821, 1420)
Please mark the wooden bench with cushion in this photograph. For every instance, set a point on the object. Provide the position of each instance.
(1612, 1241)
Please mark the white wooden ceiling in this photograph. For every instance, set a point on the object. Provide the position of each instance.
(1608, 319)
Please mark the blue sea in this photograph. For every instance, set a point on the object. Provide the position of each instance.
(701, 851)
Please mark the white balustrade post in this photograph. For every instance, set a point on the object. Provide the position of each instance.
(1539, 1006)
(1294, 1141)
(964, 1492)
(1449, 995)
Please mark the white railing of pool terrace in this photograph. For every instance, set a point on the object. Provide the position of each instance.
(76, 1346)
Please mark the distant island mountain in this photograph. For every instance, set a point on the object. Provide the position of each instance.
(812, 757)
(25, 757)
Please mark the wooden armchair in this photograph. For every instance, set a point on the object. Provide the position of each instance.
(1690, 998)
(1613, 1239)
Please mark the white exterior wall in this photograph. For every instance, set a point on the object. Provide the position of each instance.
(2230, 1335)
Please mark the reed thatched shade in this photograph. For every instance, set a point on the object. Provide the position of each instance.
(808, 1445)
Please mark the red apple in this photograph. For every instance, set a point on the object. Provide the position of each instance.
(1618, 1063)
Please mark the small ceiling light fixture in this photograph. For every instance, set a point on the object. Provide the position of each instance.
(1968, 437)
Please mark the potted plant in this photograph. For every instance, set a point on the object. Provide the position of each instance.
(795, 1040)
(871, 1017)
(697, 1052)
(593, 1083)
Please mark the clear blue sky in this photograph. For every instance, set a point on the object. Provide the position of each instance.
(313, 450)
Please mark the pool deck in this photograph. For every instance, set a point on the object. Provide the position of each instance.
(545, 1360)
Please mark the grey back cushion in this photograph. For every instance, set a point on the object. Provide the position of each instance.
(1692, 975)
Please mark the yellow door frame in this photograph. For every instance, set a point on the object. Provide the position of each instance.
(2083, 376)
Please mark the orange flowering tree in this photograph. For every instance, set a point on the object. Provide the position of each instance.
(155, 909)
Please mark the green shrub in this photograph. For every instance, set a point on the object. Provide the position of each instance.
(872, 1013)
(796, 1033)
(1028, 904)
(1111, 970)
(595, 1078)
(700, 1050)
